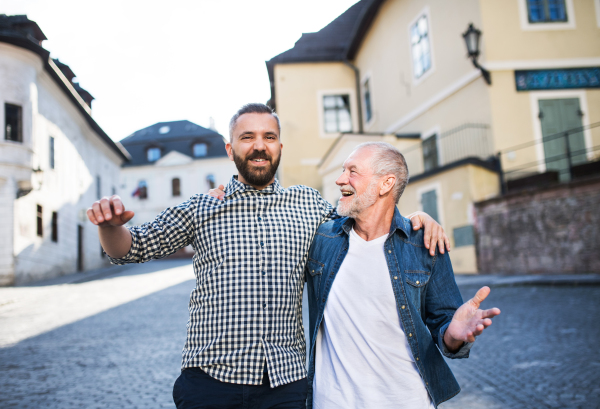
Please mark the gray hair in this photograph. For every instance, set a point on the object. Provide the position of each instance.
(252, 108)
(387, 160)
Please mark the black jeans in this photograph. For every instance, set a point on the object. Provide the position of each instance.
(195, 389)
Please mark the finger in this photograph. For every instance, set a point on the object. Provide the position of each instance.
(117, 205)
(221, 187)
(98, 212)
(433, 241)
(106, 210)
(481, 295)
(447, 242)
(91, 217)
(491, 313)
(427, 237)
(416, 222)
(127, 215)
(440, 241)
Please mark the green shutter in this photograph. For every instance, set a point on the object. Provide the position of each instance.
(429, 203)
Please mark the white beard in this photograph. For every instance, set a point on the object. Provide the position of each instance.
(358, 203)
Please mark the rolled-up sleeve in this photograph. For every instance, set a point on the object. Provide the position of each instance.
(170, 231)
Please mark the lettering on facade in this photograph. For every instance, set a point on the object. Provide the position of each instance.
(566, 78)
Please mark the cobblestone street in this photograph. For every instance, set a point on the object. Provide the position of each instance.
(540, 353)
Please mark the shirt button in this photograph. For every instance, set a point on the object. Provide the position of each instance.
(263, 273)
(262, 244)
(264, 305)
(259, 218)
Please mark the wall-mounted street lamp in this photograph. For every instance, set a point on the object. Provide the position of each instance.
(35, 183)
(471, 37)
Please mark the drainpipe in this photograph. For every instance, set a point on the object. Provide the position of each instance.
(358, 95)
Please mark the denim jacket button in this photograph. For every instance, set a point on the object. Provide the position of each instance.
(404, 306)
(417, 281)
(395, 277)
(410, 334)
(389, 251)
(417, 359)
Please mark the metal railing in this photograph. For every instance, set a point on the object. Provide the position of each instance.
(464, 141)
(564, 155)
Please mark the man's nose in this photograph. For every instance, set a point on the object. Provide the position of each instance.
(259, 144)
(342, 180)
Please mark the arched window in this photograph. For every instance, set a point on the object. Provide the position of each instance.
(176, 187)
(153, 154)
(210, 180)
(200, 150)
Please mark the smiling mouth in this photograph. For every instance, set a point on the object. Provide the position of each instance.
(347, 193)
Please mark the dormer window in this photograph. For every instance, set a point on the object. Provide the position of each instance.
(164, 129)
(153, 154)
(200, 150)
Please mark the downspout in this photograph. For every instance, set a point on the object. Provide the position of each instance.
(358, 95)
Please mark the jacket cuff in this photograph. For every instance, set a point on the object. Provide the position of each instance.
(463, 352)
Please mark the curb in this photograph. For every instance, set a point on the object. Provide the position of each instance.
(496, 280)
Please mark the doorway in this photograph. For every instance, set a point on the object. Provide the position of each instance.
(558, 116)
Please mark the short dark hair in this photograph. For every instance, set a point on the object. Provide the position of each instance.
(252, 108)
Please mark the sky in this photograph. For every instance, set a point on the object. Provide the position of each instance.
(147, 61)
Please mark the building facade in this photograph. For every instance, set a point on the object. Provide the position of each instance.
(398, 71)
(170, 162)
(54, 162)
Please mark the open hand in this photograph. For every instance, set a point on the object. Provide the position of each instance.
(469, 321)
(109, 211)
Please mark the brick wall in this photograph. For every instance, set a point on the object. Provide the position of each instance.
(551, 230)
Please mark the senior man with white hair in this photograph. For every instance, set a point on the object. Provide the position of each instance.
(382, 309)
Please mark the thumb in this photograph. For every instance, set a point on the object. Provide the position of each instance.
(481, 295)
(221, 187)
(127, 215)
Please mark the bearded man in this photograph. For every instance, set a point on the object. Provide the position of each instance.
(381, 306)
(245, 344)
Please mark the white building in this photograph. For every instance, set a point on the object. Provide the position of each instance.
(170, 162)
(54, 162)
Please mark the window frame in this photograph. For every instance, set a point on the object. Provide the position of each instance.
(425, 12)
(194, 149)
(142, 189)
(54, 235)
(546, 26)
(39, 220)
(351, 92)
(152, 148)
(175, 187)
(337, 110)
(52, 153)
(19, 125)
(367, 84)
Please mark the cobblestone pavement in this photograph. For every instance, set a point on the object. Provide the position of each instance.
(537, 354)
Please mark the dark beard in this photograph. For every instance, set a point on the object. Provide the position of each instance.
(256, 177)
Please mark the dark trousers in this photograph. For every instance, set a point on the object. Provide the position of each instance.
(195, 389)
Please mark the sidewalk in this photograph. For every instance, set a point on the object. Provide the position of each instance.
(497, 280)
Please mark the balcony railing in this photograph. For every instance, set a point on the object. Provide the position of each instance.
(464, 141)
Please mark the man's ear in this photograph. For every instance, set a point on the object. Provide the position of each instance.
(388, 183)
(229, 150)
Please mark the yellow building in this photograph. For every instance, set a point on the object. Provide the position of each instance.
(399, 71)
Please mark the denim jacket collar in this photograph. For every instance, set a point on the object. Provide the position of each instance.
(398, 223)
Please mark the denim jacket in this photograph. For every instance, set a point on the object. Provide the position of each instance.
(424, 288)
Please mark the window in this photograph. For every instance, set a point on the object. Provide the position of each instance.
(367, 98)
(55, 226)
(98, 187)
(51, 152)
(430, 153)
(13, 123)
(336, 113)
(176, 187)
(153, 154)
(210, 180)
(142, 190)
(463, 236)
(200, 150)
(420, 46)
(546, 11)
(40, 222)
(429, 204)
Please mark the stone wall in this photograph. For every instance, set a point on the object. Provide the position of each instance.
(546, 231)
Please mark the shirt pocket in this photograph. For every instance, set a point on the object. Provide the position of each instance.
(417, 278)
(314, 272)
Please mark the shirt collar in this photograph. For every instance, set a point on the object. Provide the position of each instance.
(235, 185)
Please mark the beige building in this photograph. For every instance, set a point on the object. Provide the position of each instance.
(399, 71)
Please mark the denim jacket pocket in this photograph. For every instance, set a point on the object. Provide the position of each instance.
(417, 278)
(314, 267)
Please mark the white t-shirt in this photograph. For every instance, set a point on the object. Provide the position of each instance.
(363, 359)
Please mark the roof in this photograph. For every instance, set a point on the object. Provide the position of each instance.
(337, 41)
(24, 33)
(179, 136)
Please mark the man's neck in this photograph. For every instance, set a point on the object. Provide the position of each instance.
(374, 221)
(241, 179)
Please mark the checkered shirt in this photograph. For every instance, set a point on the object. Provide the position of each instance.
(249, 256)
